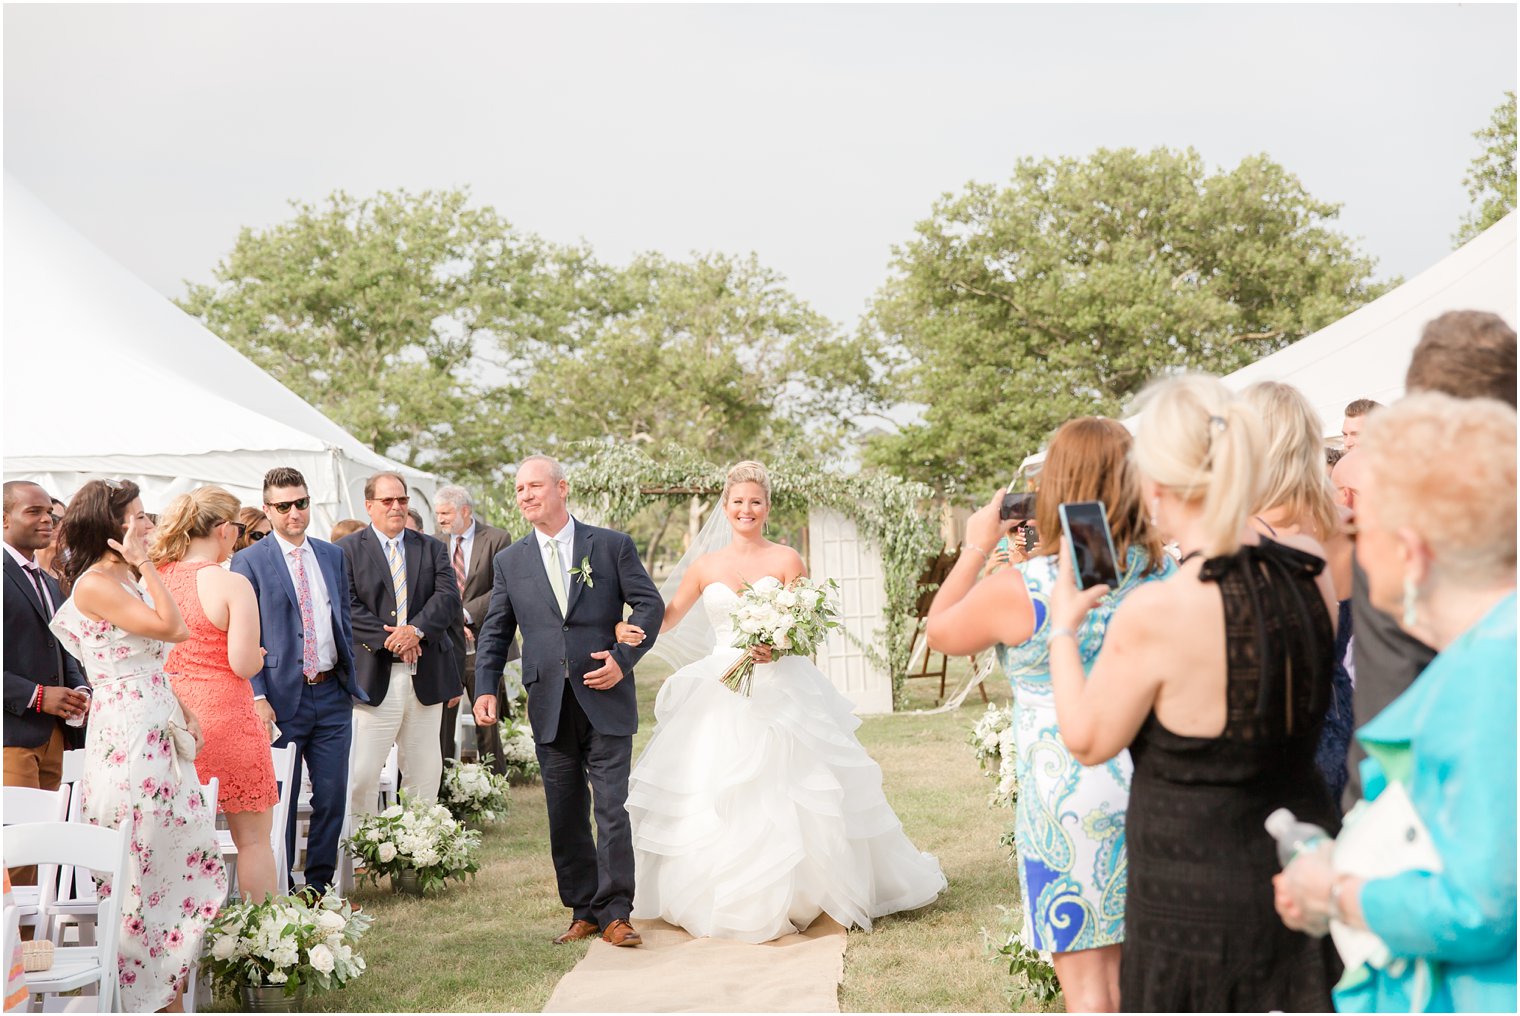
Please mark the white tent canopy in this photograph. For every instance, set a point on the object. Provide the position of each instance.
(107, 378)
(1366, 353)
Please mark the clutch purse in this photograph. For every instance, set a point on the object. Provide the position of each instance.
(186, 744)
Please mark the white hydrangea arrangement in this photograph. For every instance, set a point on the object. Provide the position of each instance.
(996, 753)
(472, 792)
(285, 941)
(416, 835)
(518, 752)
(792, 619)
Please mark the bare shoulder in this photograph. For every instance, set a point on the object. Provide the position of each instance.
(788, 560)
(1303, 542)
(224, 581)
(1150, 609)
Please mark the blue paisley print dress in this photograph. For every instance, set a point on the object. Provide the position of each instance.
(1068, 818)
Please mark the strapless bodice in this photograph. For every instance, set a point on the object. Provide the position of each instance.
(719, 602)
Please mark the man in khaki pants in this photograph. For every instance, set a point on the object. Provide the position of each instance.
(44, 686)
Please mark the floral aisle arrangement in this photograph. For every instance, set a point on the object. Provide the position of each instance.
(420, 845)
(284, 947)
(792, 619)
(472, 792)
(518, 752)
(992, 740)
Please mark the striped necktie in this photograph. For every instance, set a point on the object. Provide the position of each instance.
(397, 561)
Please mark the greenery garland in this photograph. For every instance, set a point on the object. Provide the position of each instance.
(620, 480)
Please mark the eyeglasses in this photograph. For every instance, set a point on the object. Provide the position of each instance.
(241, 527)
(283, 507)
(257, 535)
(391, 502)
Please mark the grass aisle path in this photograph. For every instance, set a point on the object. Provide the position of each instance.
(485, 946)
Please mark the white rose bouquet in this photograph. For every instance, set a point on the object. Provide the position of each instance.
(286, 941)
(472, 792)
(992, 740)
(518, 753)
(418, 836)
(792, 619)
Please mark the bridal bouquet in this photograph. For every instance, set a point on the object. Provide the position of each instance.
(473, 792)
(285, 941)
(791, 619)
(417, 844)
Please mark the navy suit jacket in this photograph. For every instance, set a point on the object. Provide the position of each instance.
(432, 593)
(32, 657)
(557, 648)
(281, 680)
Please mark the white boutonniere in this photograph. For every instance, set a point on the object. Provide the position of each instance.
(582, 572)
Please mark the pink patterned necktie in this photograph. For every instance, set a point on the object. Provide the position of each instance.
(308, 616)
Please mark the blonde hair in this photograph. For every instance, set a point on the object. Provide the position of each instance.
(1203, 444)
(747, 472)
(1458, 492)
(188, 517)
(1293, 470)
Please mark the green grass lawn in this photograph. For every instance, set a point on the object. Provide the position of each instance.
(485, 946)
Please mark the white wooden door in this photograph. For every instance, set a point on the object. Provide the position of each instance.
(837, 551)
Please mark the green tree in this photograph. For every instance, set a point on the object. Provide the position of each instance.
(1015, 308)
(1490, 177)
(378, 311)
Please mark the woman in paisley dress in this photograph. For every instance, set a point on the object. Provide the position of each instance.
(1068, 818)
(175, 882)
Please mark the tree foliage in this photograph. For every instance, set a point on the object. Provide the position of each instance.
(1490, 177)
(1015, 308)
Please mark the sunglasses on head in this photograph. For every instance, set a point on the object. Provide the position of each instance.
(391, 502)
(283, 507)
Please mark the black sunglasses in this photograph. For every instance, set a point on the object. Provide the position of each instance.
(283, 507)
(241, 527)
(257, 535)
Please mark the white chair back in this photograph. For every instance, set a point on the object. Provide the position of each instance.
(73, 765)
(28, 804)
(390, 776)
(104, 852)
(284, 760)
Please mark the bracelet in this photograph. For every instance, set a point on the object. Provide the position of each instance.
(1061, 631)
(968, 545)
(1336, 914)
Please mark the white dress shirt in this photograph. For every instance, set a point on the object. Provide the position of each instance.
(321, 601)
(566, 540)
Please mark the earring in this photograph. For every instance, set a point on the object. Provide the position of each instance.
(1155, 519)
(1411, 603)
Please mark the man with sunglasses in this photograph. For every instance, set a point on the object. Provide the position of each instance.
(404, 598)
(307, 684)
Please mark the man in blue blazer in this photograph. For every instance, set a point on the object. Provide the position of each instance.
(307, 684)
(565, 585)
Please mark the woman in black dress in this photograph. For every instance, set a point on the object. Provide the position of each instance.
(1217, 680)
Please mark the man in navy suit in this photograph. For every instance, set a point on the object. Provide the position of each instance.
(565, 585)
(307, 684)
(404, 599)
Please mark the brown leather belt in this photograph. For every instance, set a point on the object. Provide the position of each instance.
(319, 678)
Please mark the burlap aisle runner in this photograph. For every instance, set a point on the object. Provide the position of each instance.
(673, 972)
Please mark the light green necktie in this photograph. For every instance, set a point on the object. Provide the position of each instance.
(557, 578)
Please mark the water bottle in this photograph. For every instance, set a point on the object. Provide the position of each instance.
(1294, 837)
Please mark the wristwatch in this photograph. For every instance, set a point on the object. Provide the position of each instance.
(417, 632)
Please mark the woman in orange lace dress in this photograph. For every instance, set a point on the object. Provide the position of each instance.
(210, 672)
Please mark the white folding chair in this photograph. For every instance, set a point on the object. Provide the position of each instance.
(284, 760)
(465, 719)
(104, 852)
(390, 776)
(73, 765)
(27, 805)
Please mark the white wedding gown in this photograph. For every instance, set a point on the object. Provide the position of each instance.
(751, 816)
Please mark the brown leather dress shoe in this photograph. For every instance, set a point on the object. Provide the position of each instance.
(578, 930)
(620, 932)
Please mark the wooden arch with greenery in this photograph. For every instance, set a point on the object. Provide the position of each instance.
(618, 481)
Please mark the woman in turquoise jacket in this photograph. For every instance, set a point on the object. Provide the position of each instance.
(1436, 525)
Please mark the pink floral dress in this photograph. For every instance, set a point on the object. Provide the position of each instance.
(175, 880)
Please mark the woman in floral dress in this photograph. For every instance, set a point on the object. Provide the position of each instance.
(175, 882)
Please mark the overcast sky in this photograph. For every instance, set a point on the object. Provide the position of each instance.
(814, 136)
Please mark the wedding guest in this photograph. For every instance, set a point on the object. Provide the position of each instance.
(414, 520)
(1351, 424)
(210, 671)
(133, 779)
(307, 681)
(47, 557)
(343, 528)
(1468, 355)
(403, 596)
(1068, 818)
(1217, 679)
(255, 527)
(1297, 497)
(1437, 541)
(44, 687)
(473, 545)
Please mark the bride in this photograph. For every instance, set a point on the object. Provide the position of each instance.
(753, 815)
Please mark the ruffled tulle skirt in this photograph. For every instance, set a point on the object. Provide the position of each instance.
(754, 815)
